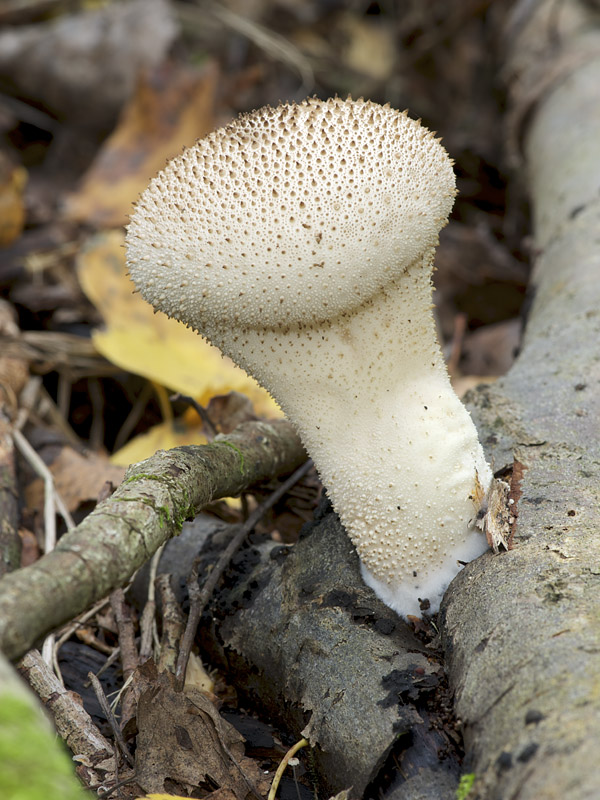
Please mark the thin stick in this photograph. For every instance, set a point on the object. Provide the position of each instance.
(116, 653)
(104, 795)
(79, 621)
(130, 659)
(120, 741)
(73, 724)
(148, 619)
(52, 496)
(133, 417)
(198, 604)
(200, 410)
(246, 779)
(52, 503)
(281, 768)
(173, 625)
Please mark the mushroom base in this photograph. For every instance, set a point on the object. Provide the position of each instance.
(405, 598)
(398, 452)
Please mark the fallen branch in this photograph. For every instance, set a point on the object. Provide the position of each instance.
(522, 629)
(303, 639)
(124, 531)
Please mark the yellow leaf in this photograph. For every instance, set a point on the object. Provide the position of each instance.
(369, 47)
(150, 344)
(163, 797)
(196, 676)
(172, 433)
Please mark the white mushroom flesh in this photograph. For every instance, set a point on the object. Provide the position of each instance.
(300, 241)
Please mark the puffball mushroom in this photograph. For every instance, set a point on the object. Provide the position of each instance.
(300, 241)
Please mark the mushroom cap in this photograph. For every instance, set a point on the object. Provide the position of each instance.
(290, 215)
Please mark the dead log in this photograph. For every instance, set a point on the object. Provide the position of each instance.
(522, 629)
(305, 641)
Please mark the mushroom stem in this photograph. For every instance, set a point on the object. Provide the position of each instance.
(395, 447)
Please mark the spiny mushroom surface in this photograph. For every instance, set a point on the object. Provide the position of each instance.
(300, 241)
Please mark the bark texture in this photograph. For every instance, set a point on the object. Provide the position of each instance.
(124, 531)
(303, 638)
(522, 629)
(10, 543)
(13, 377)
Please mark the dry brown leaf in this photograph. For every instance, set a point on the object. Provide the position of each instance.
(491, 350)
(171, 108)
(14, 373)
(182, 738)
(227, 411)
(30, 550)
(78, 479)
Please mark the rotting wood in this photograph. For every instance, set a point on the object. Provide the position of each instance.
(522, 629)
(200, 597)
(125, 530)
(304, 639)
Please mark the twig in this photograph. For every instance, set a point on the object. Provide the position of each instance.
(127, 528)
(249, 783)
(129, 654)
(281, 768)
(148, 620)
(272, 43)
(48, 410)
(63, 393)
(120, 741)
(26, 113)
(96, 434)
(52, 503)
(173, 625)
(198, 603)
(107, 664)
(134, 415)
(107, 793)
(200, 410)
(79, 621)
(52, 497)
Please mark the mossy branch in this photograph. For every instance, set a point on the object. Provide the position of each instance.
(123, 532)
